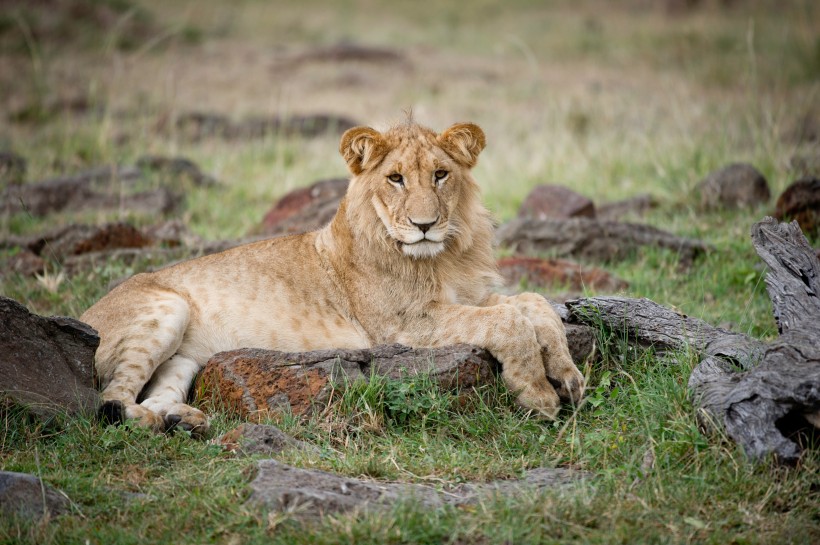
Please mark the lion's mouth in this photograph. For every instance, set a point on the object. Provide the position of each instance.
(421, 248)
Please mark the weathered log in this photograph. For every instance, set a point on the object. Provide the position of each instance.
(757, 406)
(649, 324)
(592, 239)
(751, 390)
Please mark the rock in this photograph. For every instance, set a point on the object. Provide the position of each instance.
(12, 169)
(251, 381)
(545, 273)
(311, 494)
(179, 168)
(806, 164)
(22, 261)
(555, 202)
(99, 187)
(198, 125)
(738, 185)
(801, 201)
(349, 52)
(305, 209)
(592, 239)
(171, 234)
(614, 211)
(79, 239)
(28, 497)
(581, 341)
(261, 439)
(47, 363)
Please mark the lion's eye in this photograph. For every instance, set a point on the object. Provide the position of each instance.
(440, 175)
(396, 178)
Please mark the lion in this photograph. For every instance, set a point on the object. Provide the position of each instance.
(408, 258)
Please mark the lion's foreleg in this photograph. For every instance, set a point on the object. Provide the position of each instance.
(509, 337)
(561, 371)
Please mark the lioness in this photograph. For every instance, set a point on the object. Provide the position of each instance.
(407, 259)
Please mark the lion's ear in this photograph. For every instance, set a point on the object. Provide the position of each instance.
(463, 142)
(362, 147)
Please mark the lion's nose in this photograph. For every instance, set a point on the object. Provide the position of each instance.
(424, 227)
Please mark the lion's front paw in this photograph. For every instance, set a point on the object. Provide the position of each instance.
(544, 401)
(565, 378)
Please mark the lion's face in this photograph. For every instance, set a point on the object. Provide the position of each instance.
(414, 180)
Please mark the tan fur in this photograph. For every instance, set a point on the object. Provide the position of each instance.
(406, 262)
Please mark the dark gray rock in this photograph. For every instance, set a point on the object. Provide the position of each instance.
(738, 185)
(261, 439)
(96, 188)
(27, 496)
(47, 363)
(310, 494)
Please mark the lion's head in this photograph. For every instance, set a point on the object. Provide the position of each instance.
(417, 185)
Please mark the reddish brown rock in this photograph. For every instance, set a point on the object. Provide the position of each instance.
(555, 202)
(738, 185)
(305, 209)
(83, 239)
(253, 381)
(545, 273)
(801, 201)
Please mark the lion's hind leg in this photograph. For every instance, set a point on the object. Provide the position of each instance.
(132, 346)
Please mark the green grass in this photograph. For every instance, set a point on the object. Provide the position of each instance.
(611, 101)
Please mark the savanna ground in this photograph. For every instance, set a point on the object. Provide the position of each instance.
(610, 99)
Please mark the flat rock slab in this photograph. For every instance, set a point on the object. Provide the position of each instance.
(27, 496)
(310, 494)
(47, 363)
(593, 239)
(250, 439)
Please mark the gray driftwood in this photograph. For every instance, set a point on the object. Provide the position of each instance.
(594, 239)
(757, 406)
(752, 390)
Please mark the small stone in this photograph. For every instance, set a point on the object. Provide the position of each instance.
(555, 202)
(738, 185)
(250, 439)
(801, 201)
(27, 496)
